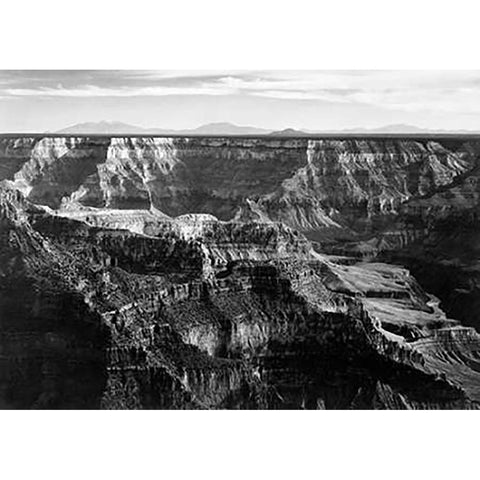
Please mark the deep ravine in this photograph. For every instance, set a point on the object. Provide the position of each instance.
(239, 273)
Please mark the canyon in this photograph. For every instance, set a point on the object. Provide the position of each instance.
(210, 272)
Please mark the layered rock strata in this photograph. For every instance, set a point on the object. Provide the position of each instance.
(171, 273)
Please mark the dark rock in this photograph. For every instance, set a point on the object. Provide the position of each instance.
(171, 273)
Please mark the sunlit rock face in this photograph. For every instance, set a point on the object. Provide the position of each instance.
(56, 167)
(308, 184)
(435, 234)
(14, 153)
(177, 273)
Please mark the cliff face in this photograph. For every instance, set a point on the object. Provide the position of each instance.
(170, 273)
(56, 167)
(14, 153)
(305, 183)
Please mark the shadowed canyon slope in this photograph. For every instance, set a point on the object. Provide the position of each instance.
(196, 272)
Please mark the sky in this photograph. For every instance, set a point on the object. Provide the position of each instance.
(49, 100)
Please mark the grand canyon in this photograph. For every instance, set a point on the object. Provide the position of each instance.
(240, 272)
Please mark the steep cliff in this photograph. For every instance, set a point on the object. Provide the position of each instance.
(308, 184)
(14, 152)
(56, 167)
(171, 273)
(151, 322)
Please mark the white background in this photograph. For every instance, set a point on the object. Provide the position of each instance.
(242, 35)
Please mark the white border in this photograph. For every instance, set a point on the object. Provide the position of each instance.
(206, 34)
(238, 445)
(252, 34)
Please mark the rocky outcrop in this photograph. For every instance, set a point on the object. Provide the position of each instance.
(308, 184)
(57, 167)
(14, 152)
(222, 242)
(436, 236)
(139, 322)
(171, 273)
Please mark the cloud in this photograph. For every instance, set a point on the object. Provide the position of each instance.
(94, 91)
(404, 90)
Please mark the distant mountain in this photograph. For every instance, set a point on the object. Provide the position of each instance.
(225, 128)
(93, 128)
(395, 128)
(119, 128)
(387, 129)
(400, 129)
(290, 132)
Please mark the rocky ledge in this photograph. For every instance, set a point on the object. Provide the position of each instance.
(237, 273)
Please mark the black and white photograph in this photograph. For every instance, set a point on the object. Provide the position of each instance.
(239, 241)
(292, 252)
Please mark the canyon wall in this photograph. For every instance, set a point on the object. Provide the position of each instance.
(178, 273)
(306, 183)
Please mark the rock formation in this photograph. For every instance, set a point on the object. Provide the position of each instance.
(239, 272)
